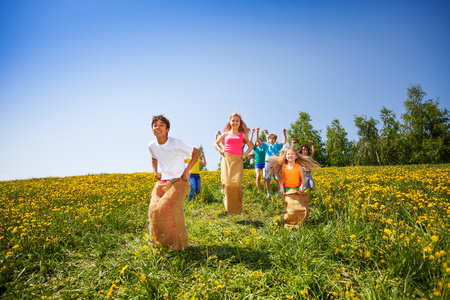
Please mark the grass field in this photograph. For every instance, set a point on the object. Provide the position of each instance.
(373, 233)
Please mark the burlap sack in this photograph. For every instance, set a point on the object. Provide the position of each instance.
(166, 215)
(296, 208)
(232, 171)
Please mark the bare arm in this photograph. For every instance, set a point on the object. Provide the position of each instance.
(302, 179)
(155, 168)
(249, 144)
(217, 142)
(203, 160)
(284, 137)
(251, 135)
(312, 148)
(195, 154)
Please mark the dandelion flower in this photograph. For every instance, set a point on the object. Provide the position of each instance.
(123, 269)
(15, 247)
(435, 238)
(427, 249)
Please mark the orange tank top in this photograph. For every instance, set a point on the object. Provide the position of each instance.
(291, 176)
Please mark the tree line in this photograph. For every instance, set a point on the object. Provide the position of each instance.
(423, 136)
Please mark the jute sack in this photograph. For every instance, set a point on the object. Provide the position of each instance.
(232, 171)
(296, 208)
(166, 215)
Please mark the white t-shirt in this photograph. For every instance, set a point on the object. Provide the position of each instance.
(170, 156)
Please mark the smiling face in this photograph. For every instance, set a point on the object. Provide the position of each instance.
(160, 130)
(291, 155)
(305, 150)
(235, 121)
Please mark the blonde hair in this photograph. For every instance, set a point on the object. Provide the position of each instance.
(242, 126)
(276, 163)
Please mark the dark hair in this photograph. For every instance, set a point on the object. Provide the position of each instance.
(162, 118)
(306, 146)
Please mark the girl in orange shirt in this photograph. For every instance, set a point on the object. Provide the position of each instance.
(288, 167)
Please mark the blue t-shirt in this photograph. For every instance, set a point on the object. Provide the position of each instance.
(271, 149)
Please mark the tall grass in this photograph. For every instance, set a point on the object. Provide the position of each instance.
(373, 233)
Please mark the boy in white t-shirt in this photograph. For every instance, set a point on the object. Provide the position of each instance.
(166, 216)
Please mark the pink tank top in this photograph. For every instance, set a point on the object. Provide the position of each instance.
(234, 143)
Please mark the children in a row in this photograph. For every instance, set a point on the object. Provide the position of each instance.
(166, 216)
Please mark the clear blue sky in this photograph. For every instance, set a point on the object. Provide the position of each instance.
(80, 80)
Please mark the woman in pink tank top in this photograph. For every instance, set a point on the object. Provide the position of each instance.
(232, 165)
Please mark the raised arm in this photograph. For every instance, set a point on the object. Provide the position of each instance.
(257, 136)
(284, 137)
(251, 134)
(203, 160)
(312, 148)
(195, 154)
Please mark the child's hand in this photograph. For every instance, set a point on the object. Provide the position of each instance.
(185, 176)
(284, 130)
(253, 130)
(158, 176)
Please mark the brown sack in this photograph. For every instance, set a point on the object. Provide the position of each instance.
(166, 215)
(296, 208)
(232, 171)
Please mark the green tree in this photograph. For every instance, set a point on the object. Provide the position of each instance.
(367, 145)
(302, 130)
(426, 129)
(390, 141)
(337, 147)
(201, 151)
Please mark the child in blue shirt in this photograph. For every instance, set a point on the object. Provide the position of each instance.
(272, 148)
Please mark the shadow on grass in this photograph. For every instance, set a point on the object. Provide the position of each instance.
(252, 223)
(212, 254)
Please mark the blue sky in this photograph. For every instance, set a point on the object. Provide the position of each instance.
(80, 80)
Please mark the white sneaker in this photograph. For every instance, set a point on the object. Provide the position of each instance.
(268, 195)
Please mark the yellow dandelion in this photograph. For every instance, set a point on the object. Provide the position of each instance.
(353, 236)
(142, 277)
(435, 238)
(15, 247)
(303, 292)
(123, 269)
(427, 249)
(387, 231)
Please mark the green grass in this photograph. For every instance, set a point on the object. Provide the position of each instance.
(373, 233)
